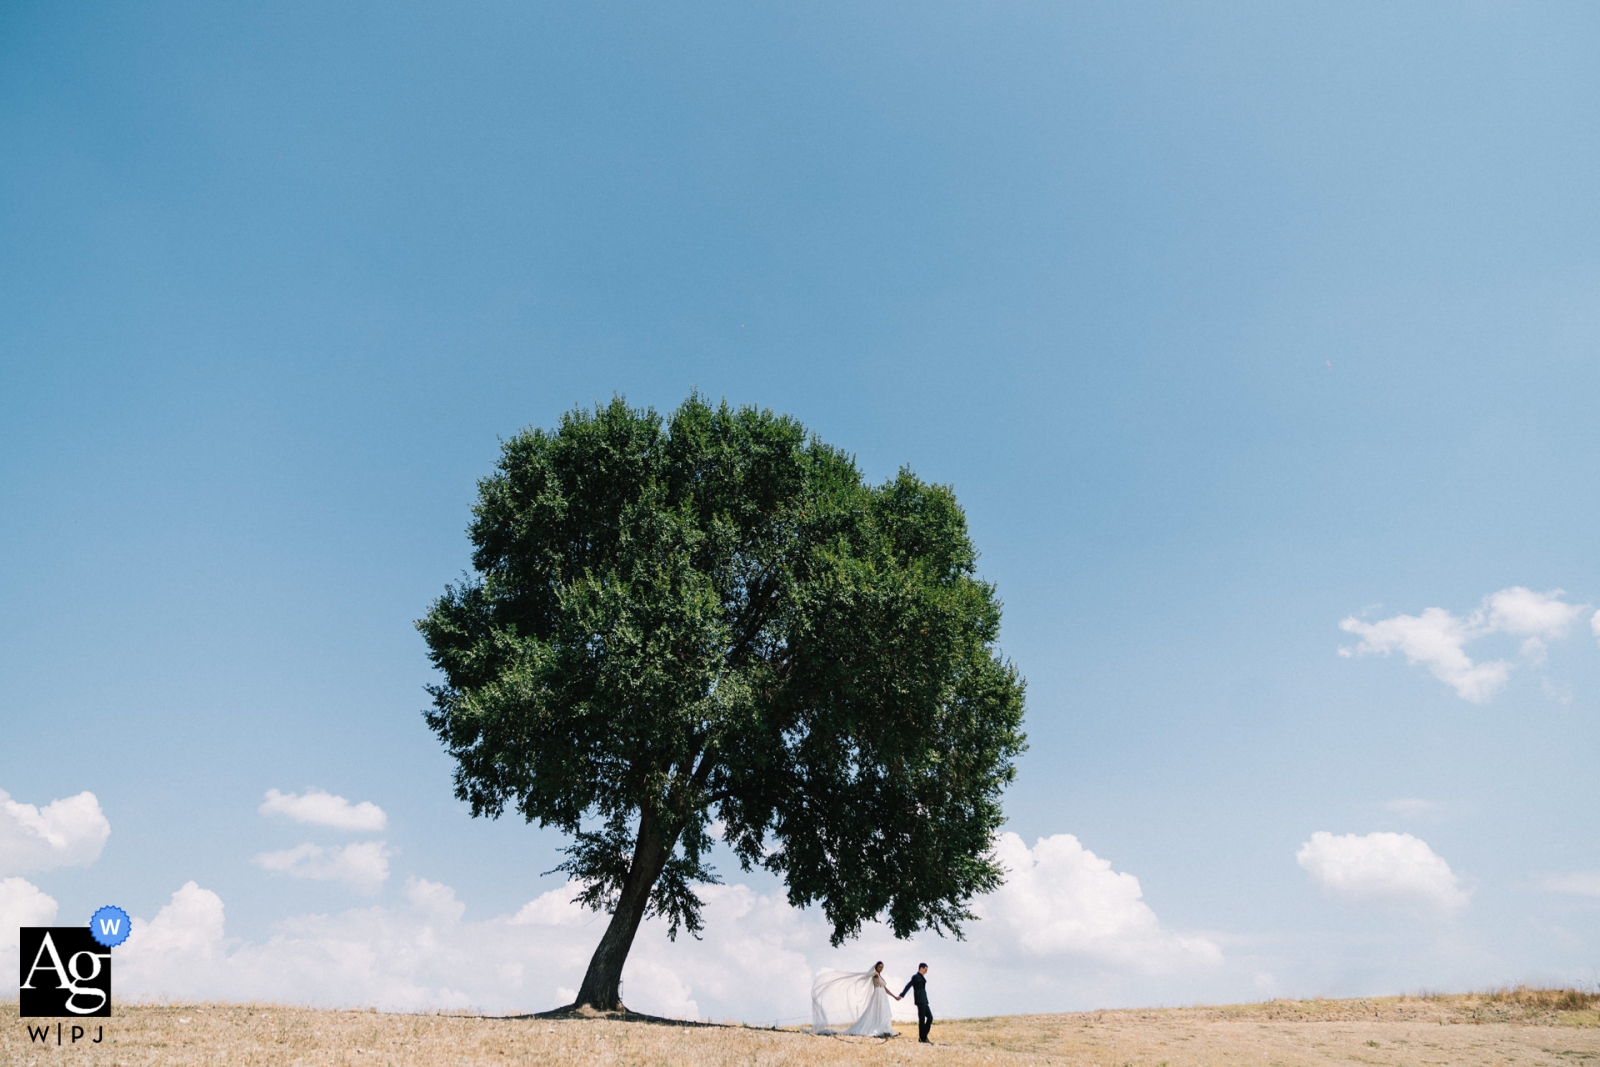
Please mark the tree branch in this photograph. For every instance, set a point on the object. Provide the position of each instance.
(755, 618)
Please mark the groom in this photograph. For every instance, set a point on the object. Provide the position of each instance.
(919, 982)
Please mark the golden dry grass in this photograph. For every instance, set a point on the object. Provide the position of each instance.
(1525, 1028)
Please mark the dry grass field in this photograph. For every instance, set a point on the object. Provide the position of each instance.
(1521, 1028)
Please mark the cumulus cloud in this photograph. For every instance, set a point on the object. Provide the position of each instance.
(417, 955)
(1523, 612)
(1437, 639)
(1093, 929)
(1581, 883)
(319, 808)
(1383, 867)
(1433, 639)
(64, 833)
(21, 904)
(189, 928)
(363, 867)
(1061, 900)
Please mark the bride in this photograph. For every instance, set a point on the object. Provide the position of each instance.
(854, 1000)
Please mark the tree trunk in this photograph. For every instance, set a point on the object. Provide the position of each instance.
(601, 983)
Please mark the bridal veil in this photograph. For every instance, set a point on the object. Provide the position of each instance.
(843, 1002)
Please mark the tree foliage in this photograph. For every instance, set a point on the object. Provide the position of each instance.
(709, 617)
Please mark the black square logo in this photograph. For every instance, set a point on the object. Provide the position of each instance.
(66, 974)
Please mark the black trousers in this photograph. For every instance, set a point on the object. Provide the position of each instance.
(924, 1020)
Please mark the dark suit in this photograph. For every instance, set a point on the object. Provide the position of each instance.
(924, 1013)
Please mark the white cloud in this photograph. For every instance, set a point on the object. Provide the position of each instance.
(1524, 613)
(64, 833)
(188, 929)
(363, 866)
(1434, 639)
(324, 809)
(1385, 867)
(1594, 625)
(554, 908)
(1096, 935)
(1061, 900)
(417, 955)
(1581, 883)
(21, 904)
(1437, 639)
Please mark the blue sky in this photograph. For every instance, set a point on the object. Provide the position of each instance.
(1226, 325)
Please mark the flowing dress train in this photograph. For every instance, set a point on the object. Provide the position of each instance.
(850, 1002)
(877, 1020)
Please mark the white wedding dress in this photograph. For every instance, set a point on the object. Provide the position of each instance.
(851, 1002)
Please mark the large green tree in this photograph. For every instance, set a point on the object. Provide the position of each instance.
(712, 616)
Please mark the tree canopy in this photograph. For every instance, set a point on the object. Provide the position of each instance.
(713, 617)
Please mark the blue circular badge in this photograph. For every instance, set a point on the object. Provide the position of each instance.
(109, 926)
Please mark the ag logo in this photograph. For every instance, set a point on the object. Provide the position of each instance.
(66, 973)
